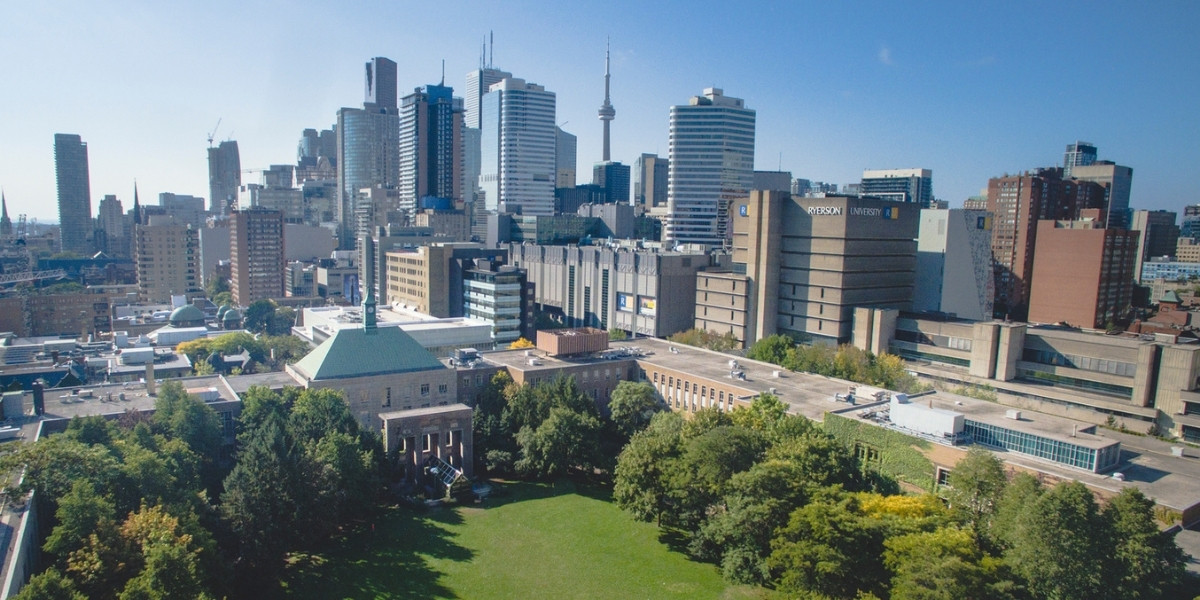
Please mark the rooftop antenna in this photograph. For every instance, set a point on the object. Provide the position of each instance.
(780, 168)
(443, 73)
(483, 54)
(491, 47)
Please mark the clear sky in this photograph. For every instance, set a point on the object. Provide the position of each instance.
(971, 90)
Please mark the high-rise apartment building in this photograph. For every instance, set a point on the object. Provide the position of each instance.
(711, 151)
(74, 193)
(1190, 225)
(649, 183)
(224, 177)
(1082, 274)
(431, 147)
(1017, 203)
(187, 210)
(368, 140)
(1079, 154)
(1158, 238)
(914, 186)
(517, 168)
(256, 252)
(1117, 181)
(168, 259)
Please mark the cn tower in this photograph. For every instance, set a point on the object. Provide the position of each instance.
(607, 112)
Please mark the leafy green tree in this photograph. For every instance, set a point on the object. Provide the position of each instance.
(617, 335)
(264, 498)
(976, 483)
(565, 440)
(706, 339)
(258, 315)
(319, 412)
(943, 564)
(80, 513)
(763, 413)
(829, 548)
(215, 285)
(772, 349)
(1148, 563)
(53, 465)
(495, 447)
(632, 405)
(49, 585)
(1022, 492)
(195, 423)
(705, 468)
(281, 321)
(345, 476)
(820, 459)
(1059, 544)
(705, 420)
(642, 480)
(91, 430)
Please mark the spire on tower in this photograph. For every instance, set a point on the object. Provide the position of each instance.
(137, 208)
(607, 112)
(6, 227)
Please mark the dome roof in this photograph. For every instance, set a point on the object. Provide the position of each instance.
(224, 309)
(232, 314)
(187, 316)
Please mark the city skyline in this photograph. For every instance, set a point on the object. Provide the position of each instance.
(969, 92)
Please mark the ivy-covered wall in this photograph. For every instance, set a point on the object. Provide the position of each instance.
(890, 452)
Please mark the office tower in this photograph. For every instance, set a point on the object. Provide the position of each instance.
(479, 82)
(775, 181)
(518, 148)
(6, 228)
(954, 264)
(1082, 274)
(649, 183)
(256, 255)
(711, 149)
(1017, 203)
(1159, 235)
(224, 177)
(368, 147)
(1190, 225)
(1116, 181)
(380, 82)
(899, 185)
(613, 179)
(74, 193)
(1079, 154)
(564, 159)
(168, 259)
(802, 265)
(431, 149)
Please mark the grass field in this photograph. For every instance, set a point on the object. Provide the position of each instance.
(530, 541)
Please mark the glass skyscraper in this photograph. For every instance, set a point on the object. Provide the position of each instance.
(368, 141)
(431, 147)
(74, 193)
(517, 167)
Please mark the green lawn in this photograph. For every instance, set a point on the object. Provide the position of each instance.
(530, 541)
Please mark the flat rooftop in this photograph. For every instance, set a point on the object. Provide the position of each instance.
(426, 411)
(990, 413)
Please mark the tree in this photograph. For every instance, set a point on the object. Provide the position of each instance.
(223, 298)
(1059, 544)
(617, 335)
(705, 467)
(820, 459)
(1148, 563)
(193, 422)
(49, 585)
(1020, 493)
(706, 339)
(520, 344)
(944, 564)
(566, 439)
(80, 513)
(828, 548)
(772, 349)
(53, 465)
(976, 483)
(215, 285)
(258, 316)
(281, 321)
(632, 405)
(763, 413)
(641, 480)
(319, 412)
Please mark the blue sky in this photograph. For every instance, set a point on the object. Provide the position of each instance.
(971, 90)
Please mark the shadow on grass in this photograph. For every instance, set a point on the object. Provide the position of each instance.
(383, 559)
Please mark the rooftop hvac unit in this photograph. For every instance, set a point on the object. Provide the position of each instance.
(1013, 414)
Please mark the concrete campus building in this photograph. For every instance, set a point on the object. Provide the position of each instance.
(801, 266)
(954, 264)
(642, 291)
(711, 154)
(1138, 380)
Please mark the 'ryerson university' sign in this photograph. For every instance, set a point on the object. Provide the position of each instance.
(855, 211)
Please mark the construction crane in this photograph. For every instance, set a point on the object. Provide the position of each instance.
(213, 133)
(8, 278)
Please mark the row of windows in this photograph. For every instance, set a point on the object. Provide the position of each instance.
(1086, 363)
(1034, 445)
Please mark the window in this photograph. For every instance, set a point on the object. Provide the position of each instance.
(424, 389)
(387, 397)
(426, 442)
(441, 388)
